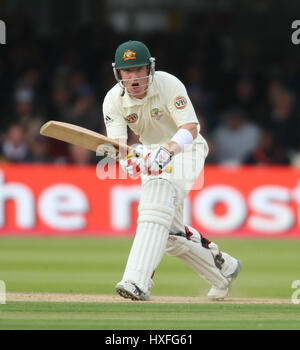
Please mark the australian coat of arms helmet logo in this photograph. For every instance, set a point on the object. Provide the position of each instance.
(129, 55)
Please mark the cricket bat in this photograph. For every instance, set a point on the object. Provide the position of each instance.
(79, 136)
(85, 138)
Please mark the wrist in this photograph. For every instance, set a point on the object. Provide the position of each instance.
(172, 147)
(182, 137)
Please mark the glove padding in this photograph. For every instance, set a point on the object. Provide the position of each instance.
(157, 161)
(134, 164)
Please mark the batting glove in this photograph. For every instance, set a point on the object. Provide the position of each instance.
(134, 164)
(157, 161)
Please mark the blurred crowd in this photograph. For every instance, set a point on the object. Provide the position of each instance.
(248, 115)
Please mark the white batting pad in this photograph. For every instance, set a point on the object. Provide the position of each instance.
(156, 211)
(230, 264)
(197, 258)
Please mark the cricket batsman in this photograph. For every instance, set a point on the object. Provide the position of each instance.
(156, 107)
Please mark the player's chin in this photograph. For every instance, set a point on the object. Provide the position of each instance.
(136, 92)
(136, 89)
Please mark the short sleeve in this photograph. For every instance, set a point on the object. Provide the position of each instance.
(179, 103)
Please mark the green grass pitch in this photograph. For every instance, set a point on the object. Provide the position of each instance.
(94, 265)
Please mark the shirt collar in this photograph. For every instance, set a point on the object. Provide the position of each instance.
(128, 101)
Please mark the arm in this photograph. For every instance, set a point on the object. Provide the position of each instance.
(181, 111)
(174, 147)
(116, 128)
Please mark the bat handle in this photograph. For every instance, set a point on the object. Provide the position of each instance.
(168, 169)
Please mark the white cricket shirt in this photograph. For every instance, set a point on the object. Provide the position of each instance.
(155, 118)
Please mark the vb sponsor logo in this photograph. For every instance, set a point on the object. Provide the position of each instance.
(180, 102)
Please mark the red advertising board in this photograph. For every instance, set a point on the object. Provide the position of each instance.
(64, 200)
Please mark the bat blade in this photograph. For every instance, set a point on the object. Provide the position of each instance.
(77, 135)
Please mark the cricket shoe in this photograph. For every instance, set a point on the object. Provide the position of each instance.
(218, 293)
(129, 290)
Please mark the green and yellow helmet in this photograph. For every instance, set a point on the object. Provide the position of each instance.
(132, 54)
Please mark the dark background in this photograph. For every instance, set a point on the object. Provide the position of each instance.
(236, 59)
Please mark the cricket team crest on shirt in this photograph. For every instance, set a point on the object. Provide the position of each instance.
(129, 55)
(180, 102)
(131, 118)
(156, 113)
